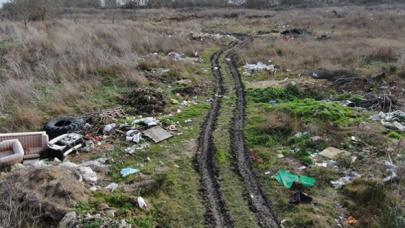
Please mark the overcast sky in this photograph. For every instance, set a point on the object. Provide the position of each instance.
(2, 1)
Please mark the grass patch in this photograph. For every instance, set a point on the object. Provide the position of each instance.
(311, 110)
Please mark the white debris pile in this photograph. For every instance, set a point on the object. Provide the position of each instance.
(349, 177)
(85, 173)
(391, 120)
(211, 36)
(182, 57)
(252, 68)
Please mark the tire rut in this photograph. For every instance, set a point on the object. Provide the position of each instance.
(217, 214)
(255, 196)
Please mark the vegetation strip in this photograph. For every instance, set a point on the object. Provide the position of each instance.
(257, 200)
(216, 214)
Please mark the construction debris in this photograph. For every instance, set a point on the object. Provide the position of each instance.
(157, 134)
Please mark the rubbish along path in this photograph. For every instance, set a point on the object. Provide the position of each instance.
(217, 214)
(255, 196)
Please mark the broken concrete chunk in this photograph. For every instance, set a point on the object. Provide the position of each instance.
(157, 134)
(332, 152)
(69, 220)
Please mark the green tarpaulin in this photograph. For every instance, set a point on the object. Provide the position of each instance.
(287, 179)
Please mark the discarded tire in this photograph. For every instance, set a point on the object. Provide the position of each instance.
(63, 125)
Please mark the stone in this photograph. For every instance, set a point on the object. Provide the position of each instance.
(332, 152)
(69, 220)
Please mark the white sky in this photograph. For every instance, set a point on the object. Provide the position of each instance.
(2, 1)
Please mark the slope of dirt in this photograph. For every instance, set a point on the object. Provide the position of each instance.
(39, 196)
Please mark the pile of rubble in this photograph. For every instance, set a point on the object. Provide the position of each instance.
(391, 120)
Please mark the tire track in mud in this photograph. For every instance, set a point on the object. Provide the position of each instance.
(217, 214)
(255, 196)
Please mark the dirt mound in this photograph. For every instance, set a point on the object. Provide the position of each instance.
(39, 196)
(146, 101)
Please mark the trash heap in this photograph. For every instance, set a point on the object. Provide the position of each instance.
(259, 66)
(391, 120)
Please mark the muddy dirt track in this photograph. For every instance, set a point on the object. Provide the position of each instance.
(257, 200)
(217, 214)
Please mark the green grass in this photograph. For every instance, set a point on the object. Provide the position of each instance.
(267, 148)
(311, 110)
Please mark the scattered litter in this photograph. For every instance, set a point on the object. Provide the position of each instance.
(332, 152)
(141, 203)
(109, 128)
(184, 103)
(97, 165)
(188, 121)
(148, 121)
(128, 171)
(321, 164)
(391, 169)
(95, 139)
(323, 37)
(273, 102)
(157, 134)
(252, 68)
(288, 179)
(391, 120)
(111, 187)
(88, 146)
(351, 220)
(133, 136)
(172, 128)
(349, 177)
(299, 197)
(88, 175)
